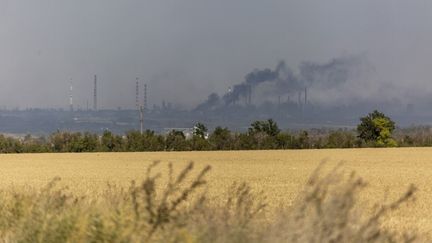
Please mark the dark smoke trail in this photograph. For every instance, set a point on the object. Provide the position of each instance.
(324, 76)
(213, 101)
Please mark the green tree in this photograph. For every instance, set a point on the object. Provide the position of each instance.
(340, 139)
(385, 133)
(268, 127)
(262, 135)
(134, 141)
(90, 142)
(221, 139)
(284, 140)
(148, 141)
(244, 141)
(34, 144)
(376, 128)
(111, 142)
(10, 145)
(303, 140)
(199, 144)
(153, 141)
(200, 130)
(176, 141)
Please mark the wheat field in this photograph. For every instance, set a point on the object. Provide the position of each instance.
(280, 174)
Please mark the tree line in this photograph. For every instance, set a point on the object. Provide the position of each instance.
(374, 130)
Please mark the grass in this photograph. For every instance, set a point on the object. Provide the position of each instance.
(176, 210)
(281, 175)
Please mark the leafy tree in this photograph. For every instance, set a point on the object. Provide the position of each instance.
(153, 141)
(111, 142)
(377, 128)
(340, 139)
(9, 145)
(199, 143)
(384, 126)
(148, 141)
(35, 145)
(221, 139)
(244, 141)
(90, 142)
(284, 140)
(176, 141)
(64, 142)
(268, 127)
(200, 130)
(303, 140)
(262, 135)
(134, 141)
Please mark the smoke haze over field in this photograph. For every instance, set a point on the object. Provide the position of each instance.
(187, 49)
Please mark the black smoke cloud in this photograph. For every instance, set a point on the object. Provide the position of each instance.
(213, 101)
(252, 80)
(335, 72)
(283, 80)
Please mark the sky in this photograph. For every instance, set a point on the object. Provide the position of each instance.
(186, 49)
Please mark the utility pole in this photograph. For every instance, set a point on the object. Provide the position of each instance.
(137, 97)
(305, 98)
(141, 119)
(145, 98)
(95, 94)
(71, 97)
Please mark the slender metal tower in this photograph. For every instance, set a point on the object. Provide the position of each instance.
(305, 98)
(71, 98)
(145, 98)
(95, 94)
(299, 99)
(137, 97)
(141, 109)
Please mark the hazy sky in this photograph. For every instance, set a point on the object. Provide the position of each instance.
(185, 49)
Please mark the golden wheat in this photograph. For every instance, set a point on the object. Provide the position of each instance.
(280, 174)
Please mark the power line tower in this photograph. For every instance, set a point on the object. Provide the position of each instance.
(137, 97)
(71, 108)
(305, 96)
(95, 94)
(145, 98)
(141, 109)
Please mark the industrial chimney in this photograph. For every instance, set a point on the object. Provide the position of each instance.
(305, 96)
(95, 94)
(145, 97)
(71, 98)
(299, 99)
(137, 98)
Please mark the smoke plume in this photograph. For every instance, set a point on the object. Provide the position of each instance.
(284, 81)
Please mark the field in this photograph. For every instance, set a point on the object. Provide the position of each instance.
(280, 174)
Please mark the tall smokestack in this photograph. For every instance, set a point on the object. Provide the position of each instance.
(145, 97)
(95, 94)
(141, 109)
(299, 99)
(71, 98)
(305, 98)
(137, 98)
